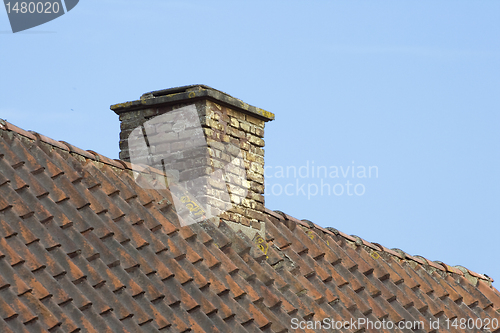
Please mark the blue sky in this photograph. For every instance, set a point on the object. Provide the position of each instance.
(411, 88)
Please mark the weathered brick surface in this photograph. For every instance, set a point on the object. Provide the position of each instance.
(234, 145)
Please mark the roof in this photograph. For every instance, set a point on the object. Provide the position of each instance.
(84, 248)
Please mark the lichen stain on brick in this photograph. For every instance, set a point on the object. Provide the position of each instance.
(244, 105)
(124, 105)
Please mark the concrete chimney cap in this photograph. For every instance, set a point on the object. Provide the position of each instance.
(190, 93)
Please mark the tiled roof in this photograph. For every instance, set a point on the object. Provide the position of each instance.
(83, 248)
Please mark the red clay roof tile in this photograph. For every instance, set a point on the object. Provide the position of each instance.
(10, 127)
(50, 141)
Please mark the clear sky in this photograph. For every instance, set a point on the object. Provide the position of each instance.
(409, 88)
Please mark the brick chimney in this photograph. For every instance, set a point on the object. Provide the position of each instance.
(210, 147)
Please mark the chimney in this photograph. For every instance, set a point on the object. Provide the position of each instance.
(208, 147)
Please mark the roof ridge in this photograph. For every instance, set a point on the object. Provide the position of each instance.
(469, 275)
(87, 154)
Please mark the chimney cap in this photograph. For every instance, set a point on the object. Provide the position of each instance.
(191, 92)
